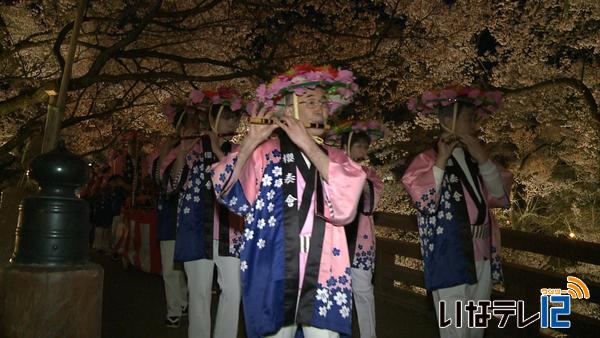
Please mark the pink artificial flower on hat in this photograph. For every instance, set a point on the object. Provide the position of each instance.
(261, 92)
(448, 97)
(374, 129)
(236, 104)
(328, 76)
(346, 92)
(277, 86)
(412, 103)
(215, 99)
(300, 91)
(250, 107)
(483, 101)
(428, 99)
(269, 103)
(473, 92)
(196, 96)
(334, 106)
(313, 76)
(299, 79)
(345, 76)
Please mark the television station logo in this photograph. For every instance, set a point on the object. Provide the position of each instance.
(555, 305)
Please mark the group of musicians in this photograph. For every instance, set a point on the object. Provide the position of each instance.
(285, 214)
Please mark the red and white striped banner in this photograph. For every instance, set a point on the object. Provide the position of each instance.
(136, 239)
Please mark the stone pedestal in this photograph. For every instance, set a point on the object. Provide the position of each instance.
(51, 302)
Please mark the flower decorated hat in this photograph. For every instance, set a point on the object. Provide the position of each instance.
(173, 110)
(221, 98)
(373, 129)
(196, 103)
(201, 102)
(484, 103)
(225, 96)
(339, 85)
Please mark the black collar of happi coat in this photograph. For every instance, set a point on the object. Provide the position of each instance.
(294, 218)
(452, 167)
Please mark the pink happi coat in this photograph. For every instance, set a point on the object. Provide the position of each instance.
(445, 261)
(322, 289)
(361, 238)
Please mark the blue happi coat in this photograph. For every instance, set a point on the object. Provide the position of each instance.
(166, 221)
(445, 225)
(195, 208)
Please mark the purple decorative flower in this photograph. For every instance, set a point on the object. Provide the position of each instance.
(236, 105)
(447, 96)
(412, 103)
(485, 102)
(345, 76)
(250, 107)
(374, 129)
(428, 99)
(196, 96)
(261, 92)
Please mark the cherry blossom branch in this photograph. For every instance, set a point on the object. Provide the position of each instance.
(560, 81)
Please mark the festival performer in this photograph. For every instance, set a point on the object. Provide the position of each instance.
(296, 195)
(355, 137)
(184, 120)
(124, 160)
(88, 192)
(454, 187)
(208, 234)
(102, 212)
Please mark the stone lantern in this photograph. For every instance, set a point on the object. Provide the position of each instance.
(50, 289)
(53, 226)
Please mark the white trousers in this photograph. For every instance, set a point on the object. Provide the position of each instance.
(116, 223)
(200, 281)
(102, 239)
(175, 285)
(464, 292)
(362, 289)
(309, 332)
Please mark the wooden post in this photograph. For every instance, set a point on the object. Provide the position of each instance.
(51, 123)
(55, 112)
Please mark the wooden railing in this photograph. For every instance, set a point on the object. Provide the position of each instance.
(521, 282)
